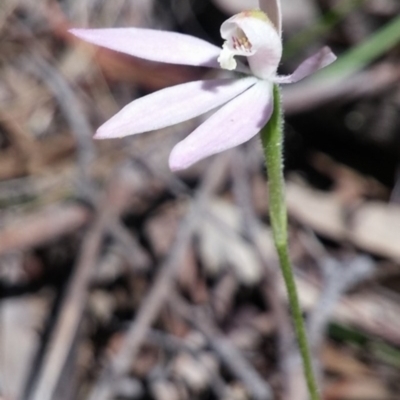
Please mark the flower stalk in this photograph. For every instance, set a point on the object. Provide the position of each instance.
(272, 140)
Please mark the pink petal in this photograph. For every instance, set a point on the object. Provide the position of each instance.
(154, 45)
(273, 9)
(172, 105)
(319, 60)
(235, 123)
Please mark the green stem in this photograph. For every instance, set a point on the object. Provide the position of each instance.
(272, 140)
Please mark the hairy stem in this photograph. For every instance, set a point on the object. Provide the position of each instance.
(272, 140)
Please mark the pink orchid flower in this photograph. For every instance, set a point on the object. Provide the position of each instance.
(245, 99)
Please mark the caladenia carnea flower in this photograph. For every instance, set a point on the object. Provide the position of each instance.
(244, 101)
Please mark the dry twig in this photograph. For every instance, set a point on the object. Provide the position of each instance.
(155, 299)
(238, 365)
(66, 330)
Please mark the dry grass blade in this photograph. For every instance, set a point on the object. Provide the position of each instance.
(74, 303)
(155, 299)
(257, 387)
(47, 224)
(69, 103)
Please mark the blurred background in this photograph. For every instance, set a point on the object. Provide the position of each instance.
(121, 280)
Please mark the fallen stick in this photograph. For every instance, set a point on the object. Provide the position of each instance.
(70, 316)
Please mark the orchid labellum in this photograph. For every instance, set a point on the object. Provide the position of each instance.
(244, 101)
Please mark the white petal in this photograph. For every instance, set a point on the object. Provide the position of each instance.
(162, 46)
(172, 105)
(235, 123)
(319, 60)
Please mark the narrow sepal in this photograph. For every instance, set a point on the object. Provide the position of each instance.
(318, 61)
(172, 105)
(235, 123)
(273, 10)
(154, 45)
